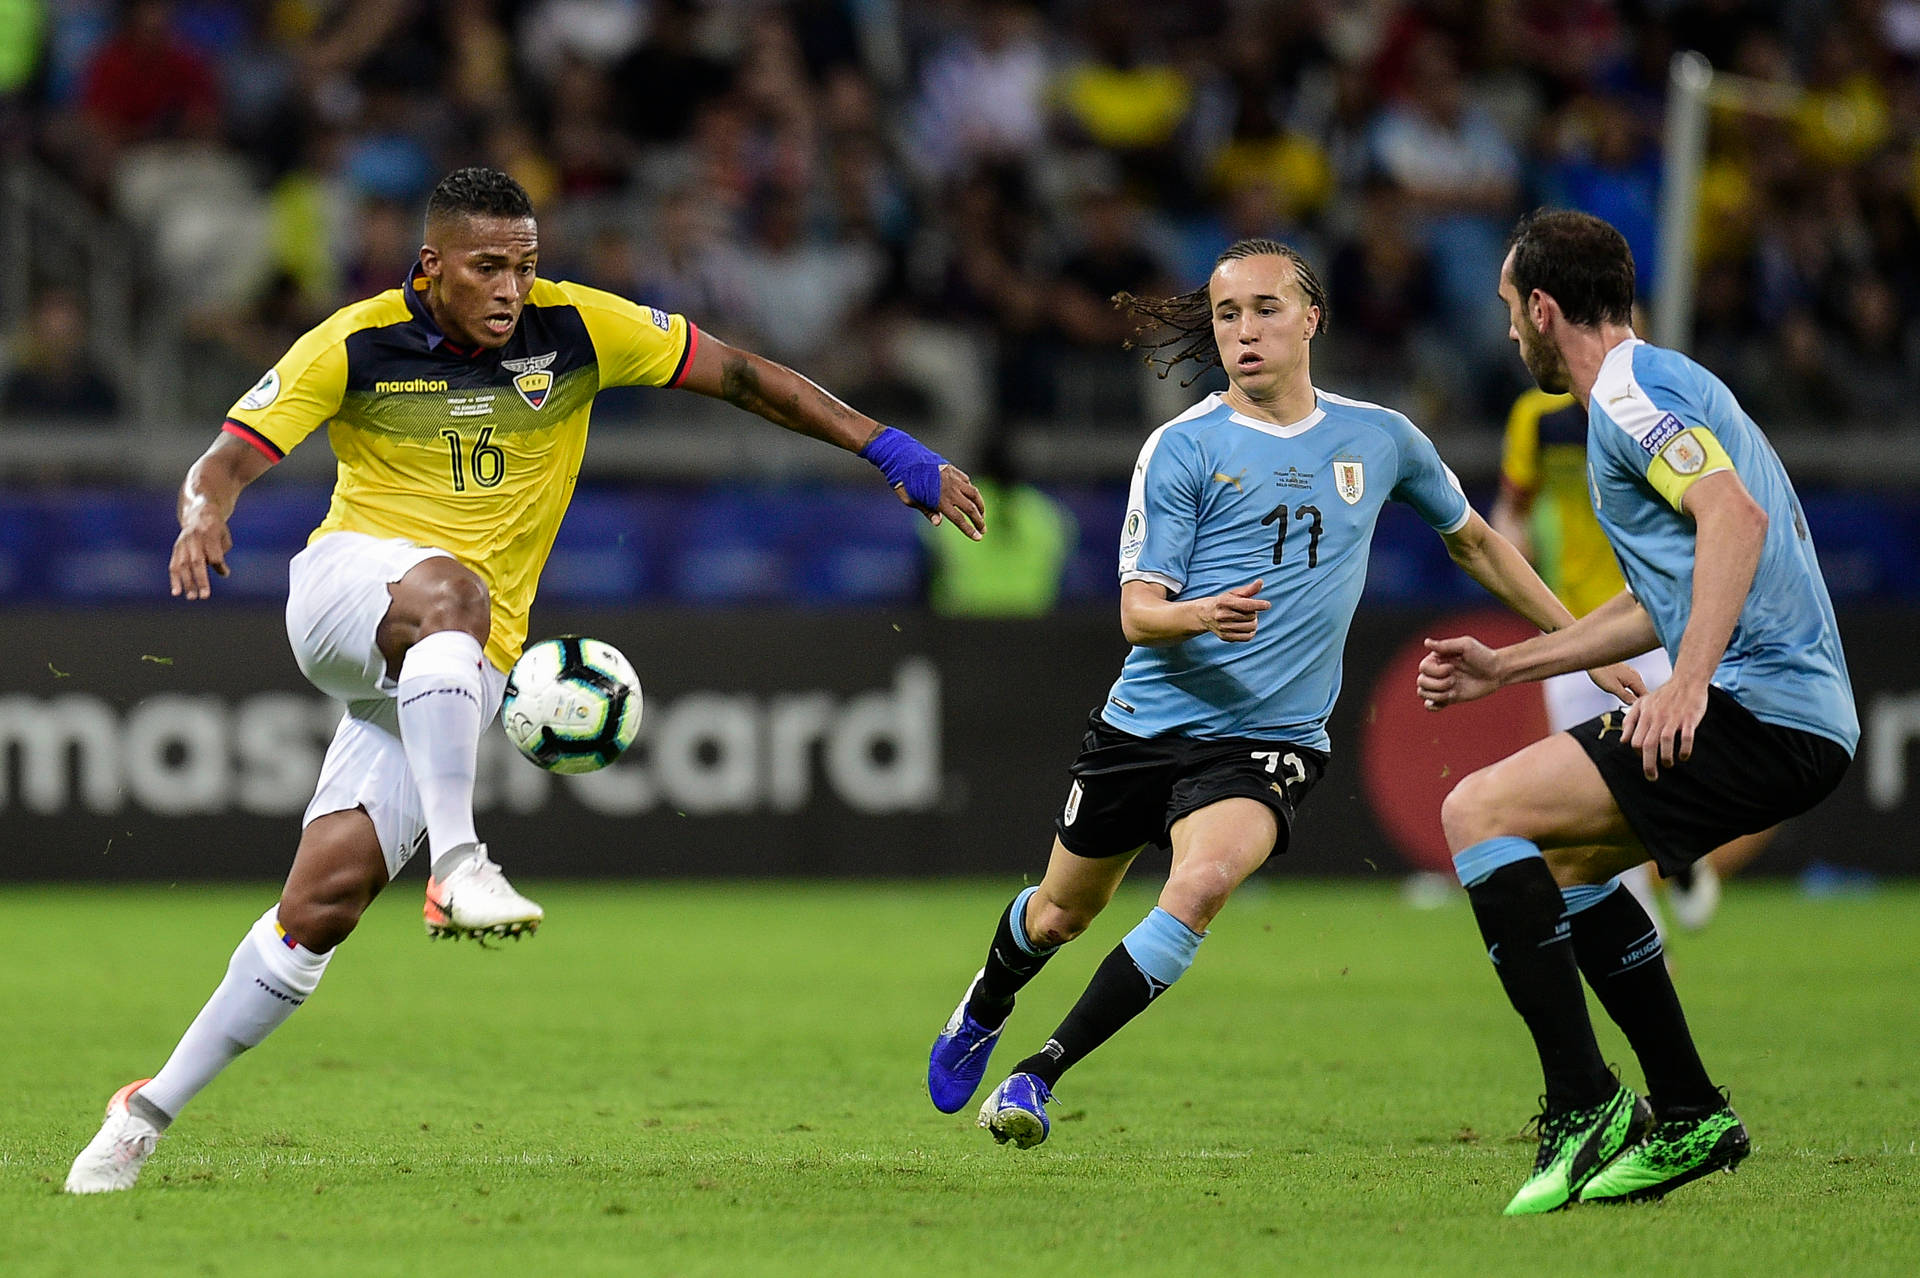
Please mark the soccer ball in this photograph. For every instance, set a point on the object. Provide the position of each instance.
(572, 704)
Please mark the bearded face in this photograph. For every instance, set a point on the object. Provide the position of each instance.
(1542, 358)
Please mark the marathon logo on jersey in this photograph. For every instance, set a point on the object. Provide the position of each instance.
(409, 386)
(533, 382)
(1663, 430)
(1349, 480)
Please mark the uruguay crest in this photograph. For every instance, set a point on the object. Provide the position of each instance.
(1349, 480)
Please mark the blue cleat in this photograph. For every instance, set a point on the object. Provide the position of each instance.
(959, 1057)
(1017, 1111)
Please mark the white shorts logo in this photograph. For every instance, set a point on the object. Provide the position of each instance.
(264, 391)
(1073, 805)
(1685, 453)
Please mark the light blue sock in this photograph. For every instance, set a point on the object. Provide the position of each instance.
(1162, 946)
(1017, 925)
(1475, 864)
(1584, 896)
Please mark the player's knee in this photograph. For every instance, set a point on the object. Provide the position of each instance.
(454, 599)
(1470, 811)
(1052, 923)
(320, 911)
(320, 923)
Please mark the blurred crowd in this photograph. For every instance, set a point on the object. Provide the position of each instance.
(926, 204)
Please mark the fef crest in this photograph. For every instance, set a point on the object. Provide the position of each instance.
(533, 388)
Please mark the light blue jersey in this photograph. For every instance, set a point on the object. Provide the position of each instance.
(1658, 423)
(1220, 499)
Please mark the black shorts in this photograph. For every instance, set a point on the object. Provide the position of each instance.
(1745, 775)
(1128, 791)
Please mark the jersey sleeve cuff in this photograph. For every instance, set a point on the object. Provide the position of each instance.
(1457, 524)
(243, 431)
(1157, 578)
(686, 356)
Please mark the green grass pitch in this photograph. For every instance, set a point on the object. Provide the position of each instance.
(726, 1079)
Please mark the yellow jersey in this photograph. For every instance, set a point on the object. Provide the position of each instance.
(474, 452)
(1544, 458)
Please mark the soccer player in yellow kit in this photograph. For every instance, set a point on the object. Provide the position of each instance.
(1544, 509)
(457, 405)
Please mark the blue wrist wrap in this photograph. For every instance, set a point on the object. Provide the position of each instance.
(907, 462)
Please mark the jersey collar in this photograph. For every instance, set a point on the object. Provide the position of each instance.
(1286, 431)
(415, 291)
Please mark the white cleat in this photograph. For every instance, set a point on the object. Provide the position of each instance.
(476, 900)
(1695, 897)
(113, 1158)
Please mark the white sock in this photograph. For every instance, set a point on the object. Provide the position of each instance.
(266, 980)
(440, 721)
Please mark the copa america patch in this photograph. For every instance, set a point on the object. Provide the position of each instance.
(264, 391)
(1663, 430)
(661, 320)
(1133, 537)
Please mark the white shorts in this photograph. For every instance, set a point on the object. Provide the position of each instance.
(336, 598)
(1573, 698)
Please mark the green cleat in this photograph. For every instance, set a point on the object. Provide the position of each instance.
(1676, 1151)
(1576, 1143)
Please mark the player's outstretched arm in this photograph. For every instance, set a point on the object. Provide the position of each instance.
(922, 478)
(1499, 565)
(207, 499)
(1464, 669)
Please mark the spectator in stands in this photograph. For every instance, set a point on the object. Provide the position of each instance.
(1608, 166)
(142, 85)
(1025, 560)
(660, 87)
(982, 96)
(51, 374)
(1460, 176)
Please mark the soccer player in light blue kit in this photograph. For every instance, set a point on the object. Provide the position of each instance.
(1756, 725)
(1242, 558)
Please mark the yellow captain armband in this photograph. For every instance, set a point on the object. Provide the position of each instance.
(1684, 460)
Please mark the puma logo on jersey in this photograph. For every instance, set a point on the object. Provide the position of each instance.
(1607, 725)
(1223, 478)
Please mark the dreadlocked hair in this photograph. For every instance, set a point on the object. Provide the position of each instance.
(1176, 329)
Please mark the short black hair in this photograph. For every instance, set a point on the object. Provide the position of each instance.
(478, 192)
(1578, 260)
